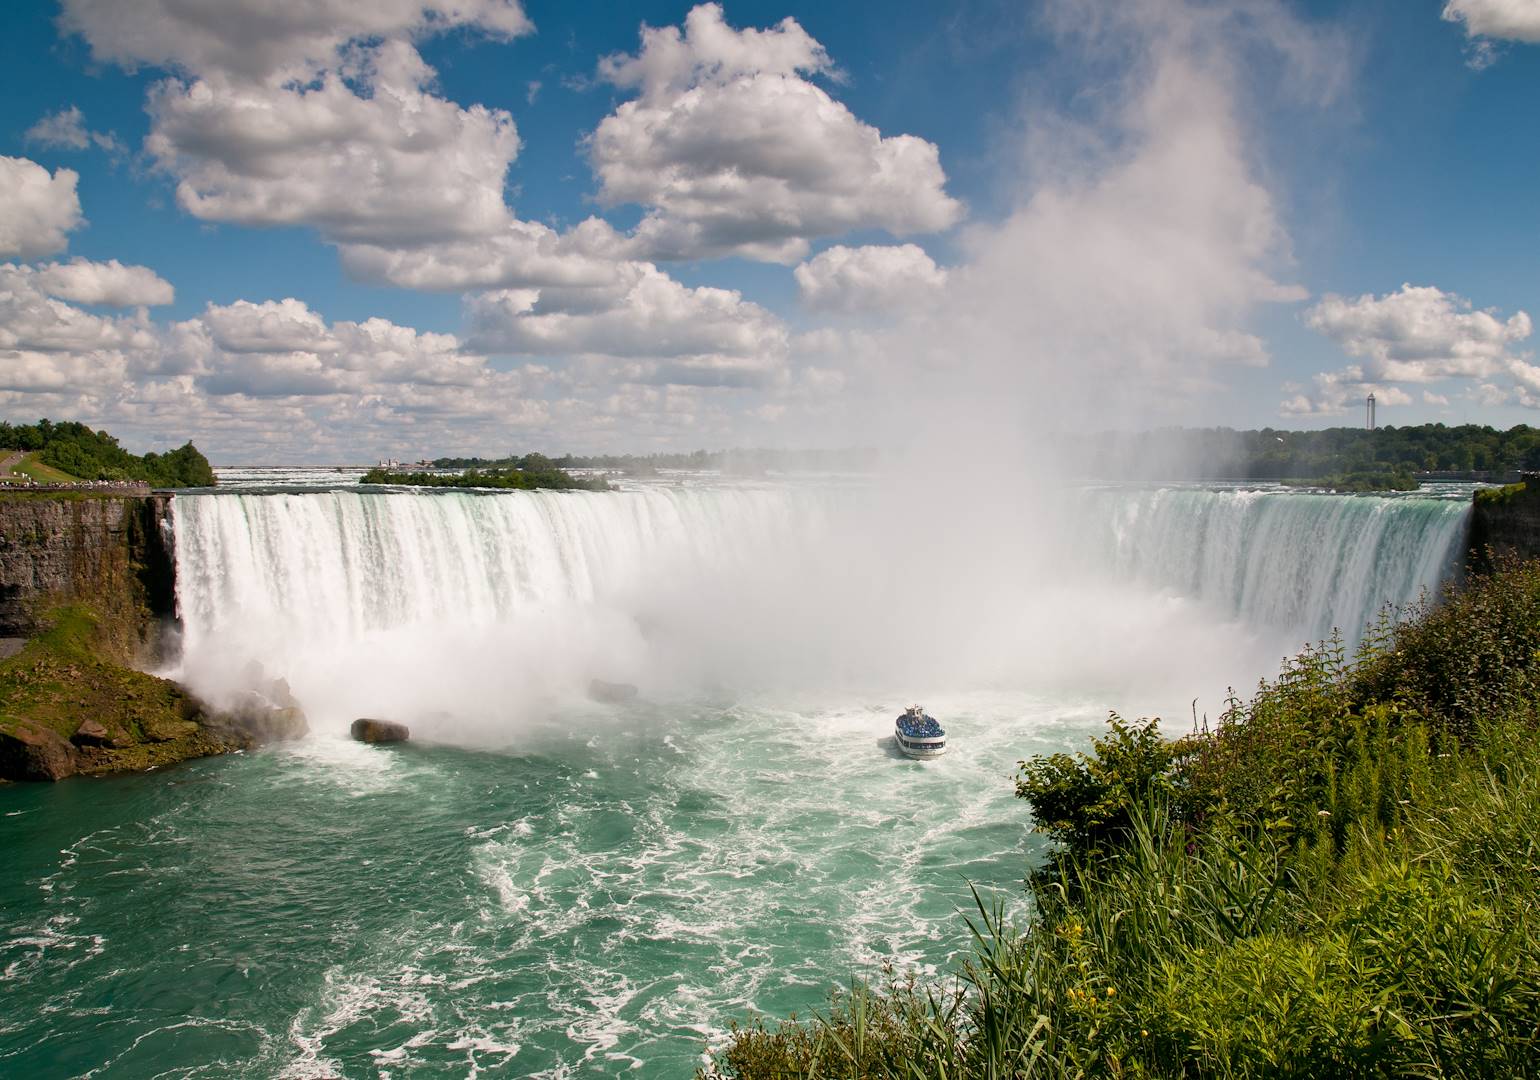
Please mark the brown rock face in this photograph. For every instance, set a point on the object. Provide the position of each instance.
(32, 752)
(170, 731)
(255, 717)
(379, 731)
(91, 733)
(110, 550)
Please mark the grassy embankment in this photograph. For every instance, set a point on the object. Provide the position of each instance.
(1339, 880)
(78, 668)
(31, 467)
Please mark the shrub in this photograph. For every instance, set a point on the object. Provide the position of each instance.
(1086, 801)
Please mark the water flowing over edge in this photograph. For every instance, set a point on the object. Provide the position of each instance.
(679, 586)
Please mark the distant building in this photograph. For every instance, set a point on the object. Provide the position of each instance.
(1371, 412)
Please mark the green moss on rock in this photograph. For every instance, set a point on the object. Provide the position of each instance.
(1499, 496)
(74, 673)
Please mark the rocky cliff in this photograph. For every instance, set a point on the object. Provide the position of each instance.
(87, 584)
(1505, 523)
(112, 551)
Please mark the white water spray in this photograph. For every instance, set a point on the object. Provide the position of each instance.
(475, 615)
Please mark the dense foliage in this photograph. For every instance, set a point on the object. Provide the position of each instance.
(647, 464)
(80, 452)
(1500, 496)
(1360, 481)
(1337, 880)
(1337, 453)
(536, 472)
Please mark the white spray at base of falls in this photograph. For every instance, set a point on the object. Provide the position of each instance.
(474, 615)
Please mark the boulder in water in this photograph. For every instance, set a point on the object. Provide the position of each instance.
(256, 719)
(366, 730)
(611, 693)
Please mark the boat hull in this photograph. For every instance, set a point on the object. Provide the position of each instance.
(919, 749)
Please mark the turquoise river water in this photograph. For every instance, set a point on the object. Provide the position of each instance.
(540, 885)
(578, 906)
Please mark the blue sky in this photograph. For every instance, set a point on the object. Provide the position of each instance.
(365, 232)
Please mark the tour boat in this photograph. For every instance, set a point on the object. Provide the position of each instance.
(918, 735)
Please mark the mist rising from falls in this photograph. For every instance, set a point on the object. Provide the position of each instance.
(475, 615)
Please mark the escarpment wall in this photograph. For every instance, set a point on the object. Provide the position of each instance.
(111, 550)
(1505, 523)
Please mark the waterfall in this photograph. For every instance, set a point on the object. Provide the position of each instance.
(336, 564)
(1310, 562)
(494, 605)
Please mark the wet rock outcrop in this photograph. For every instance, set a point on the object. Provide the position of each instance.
(367, 730)
(30, 751)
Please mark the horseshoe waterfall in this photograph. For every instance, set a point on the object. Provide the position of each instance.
(541, 883)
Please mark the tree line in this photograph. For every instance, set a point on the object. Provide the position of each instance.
(745, 460)
(76, 449)
(1277, 454)
(515, 479)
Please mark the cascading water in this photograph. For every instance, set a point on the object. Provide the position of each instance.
(1305, 561)
(528, 595)
(610, 885)
(343, 564)
(470, 605)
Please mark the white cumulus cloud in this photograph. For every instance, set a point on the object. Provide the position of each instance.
(1418, 335)
(256, 39)
(258, 379)
(659, 329)
(876, 277)
(1516, 20)
(325, 115)
(363, 153)
(272, 326)
(320, 114)
(34, 320)
(279, 348)
(519, 254)
(66, 130)
(734, 151)
(39, 210)
(1490, 22)
(110, 283)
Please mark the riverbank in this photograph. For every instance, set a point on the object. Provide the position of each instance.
(1336, 880)
(68, 707)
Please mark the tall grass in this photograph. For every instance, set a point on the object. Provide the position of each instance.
(1341, 879)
